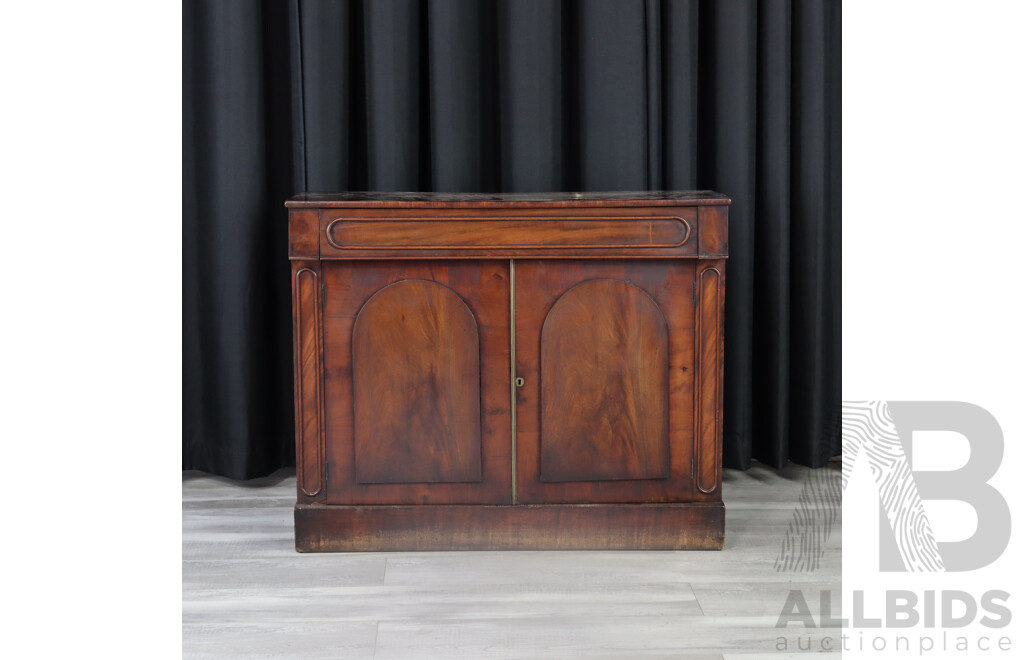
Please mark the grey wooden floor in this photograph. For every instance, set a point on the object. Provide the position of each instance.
(247, 594)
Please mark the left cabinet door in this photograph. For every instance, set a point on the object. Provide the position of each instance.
(416, 373)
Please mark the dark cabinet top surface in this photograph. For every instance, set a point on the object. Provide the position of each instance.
(503, 200)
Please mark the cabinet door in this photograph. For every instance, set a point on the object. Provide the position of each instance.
(416, 362)
(605, 350)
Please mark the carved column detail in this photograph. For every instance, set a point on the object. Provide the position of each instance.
(309, 414)
(710, 289)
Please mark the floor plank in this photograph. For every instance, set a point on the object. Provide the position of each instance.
(247, 593)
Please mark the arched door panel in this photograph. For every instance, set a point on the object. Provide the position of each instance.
(605, 352)
(604, 385)
(416, 382)
(416, 379)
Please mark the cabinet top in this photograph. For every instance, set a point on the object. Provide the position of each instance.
(505, 200)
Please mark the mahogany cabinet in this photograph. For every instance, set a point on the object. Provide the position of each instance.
(508, 371)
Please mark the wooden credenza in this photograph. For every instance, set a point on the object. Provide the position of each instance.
(511, 371)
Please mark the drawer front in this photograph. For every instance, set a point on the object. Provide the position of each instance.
(369, 234)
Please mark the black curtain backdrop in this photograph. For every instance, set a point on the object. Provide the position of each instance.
(286, 96)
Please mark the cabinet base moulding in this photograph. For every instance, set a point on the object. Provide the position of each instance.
(683, 526)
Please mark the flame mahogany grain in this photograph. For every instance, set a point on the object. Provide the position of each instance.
(416, 371)
(432, 422)
(658, 366)
(604, 385)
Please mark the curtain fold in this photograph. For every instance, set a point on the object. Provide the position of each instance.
(727, 152)
(396, 98)
(237, 137)
(531, 95)
(283, 96)
(772, 266)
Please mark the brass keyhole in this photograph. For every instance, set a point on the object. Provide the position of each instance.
(520, 382)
